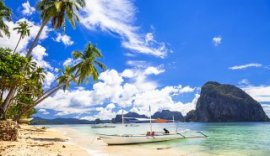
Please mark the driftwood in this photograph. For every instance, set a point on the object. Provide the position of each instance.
(50, 139)
(163, 148)
(41, 145)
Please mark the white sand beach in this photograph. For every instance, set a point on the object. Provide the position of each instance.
(35, 141)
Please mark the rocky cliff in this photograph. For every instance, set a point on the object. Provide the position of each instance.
(128, 117)
(164, 114)
(168, 115)
(225, 103)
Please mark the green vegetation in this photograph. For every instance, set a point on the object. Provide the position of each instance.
(5, 14)
(21, 80)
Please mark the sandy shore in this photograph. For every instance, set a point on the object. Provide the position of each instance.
(66, 142)
(97, 147)
(39, 142)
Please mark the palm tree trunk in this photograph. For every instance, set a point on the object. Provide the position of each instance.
(45, 95)
(6, 103)
(48, 94)
(1, 95)
(44, 23)
(17, 44)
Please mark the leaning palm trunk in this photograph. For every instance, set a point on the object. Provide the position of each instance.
(17, 44)
(7, 102)
(43, 97)
(44, 23)
(48, 94)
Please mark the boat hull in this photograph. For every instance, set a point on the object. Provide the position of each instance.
(127, 140)
(103, 126)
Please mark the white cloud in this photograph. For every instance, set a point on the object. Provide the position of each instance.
(65, 39)
(68, 62)
(43, 111)
(117, 17)
(149, 37)
(39, 52)
(244, 66)
(138, 63)
(259, 93)
(49, 79)
(130, 89)
(27, 8)
(69, 102)
(104, 113)
(266, 108)
(14, 36)
(217, 40)
(244, 82)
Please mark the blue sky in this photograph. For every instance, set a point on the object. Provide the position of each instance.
(157, 52)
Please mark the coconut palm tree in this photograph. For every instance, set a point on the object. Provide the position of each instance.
(87, 66)
(57, 11)
(24, 30)
(88, 63)
(5, 14)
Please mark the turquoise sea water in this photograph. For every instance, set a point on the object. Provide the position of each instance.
(224, 138)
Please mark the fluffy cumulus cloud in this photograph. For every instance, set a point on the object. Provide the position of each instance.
(27, 8)
(217, 40)
(10, 42)
(244, 66)
(261, 94)
(65, 39)
(266, 108)
(131, 90)
(39, 52)
(117, 17)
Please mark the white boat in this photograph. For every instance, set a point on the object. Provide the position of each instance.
(150, 137)
(137, 139)
(131, 125)
(103, 126)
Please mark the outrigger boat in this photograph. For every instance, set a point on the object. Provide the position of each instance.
(150, 137)
(137, 139)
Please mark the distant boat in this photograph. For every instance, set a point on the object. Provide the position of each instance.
(158, 120)
(131, 125)
(127, 125)
(103, 126)
(137, 139)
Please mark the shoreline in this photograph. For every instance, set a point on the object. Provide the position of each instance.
(82, 140)
(99, 148)
(39, 141)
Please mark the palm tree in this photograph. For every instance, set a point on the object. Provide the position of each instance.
(5, 14)
(86, 67)
(57, 11)
(88, 64)
(24, 30)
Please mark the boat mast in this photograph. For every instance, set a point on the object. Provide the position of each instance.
(174, 124)
(123, 117)
(150, 119)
